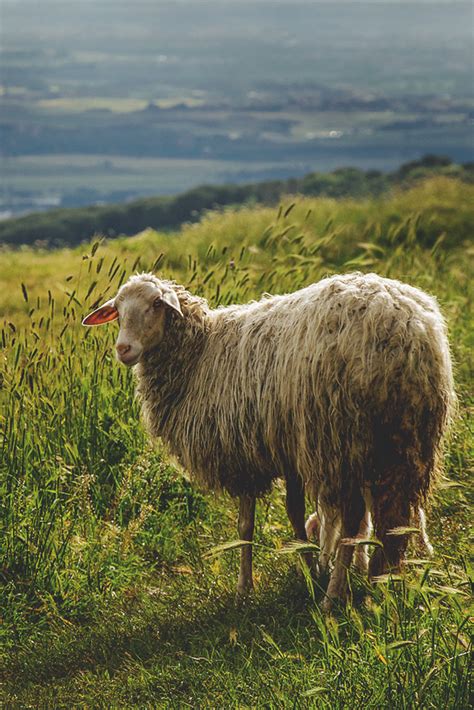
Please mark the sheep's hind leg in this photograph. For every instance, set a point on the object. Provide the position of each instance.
(246, 527)
(402, 469)
(325, 527)
(391, 509)
(361, 555)
(330, 534)
(295, 508)
(352, 516)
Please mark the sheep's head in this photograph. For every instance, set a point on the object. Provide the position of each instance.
(140, 306)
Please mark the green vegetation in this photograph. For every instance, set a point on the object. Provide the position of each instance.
(113, 594)
(72, 226)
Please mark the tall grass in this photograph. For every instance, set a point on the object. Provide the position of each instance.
(109, 594)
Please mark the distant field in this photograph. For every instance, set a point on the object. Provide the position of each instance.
(105, 173)
(268, 89)
(116, 105)
(311, 142)
(37, 183)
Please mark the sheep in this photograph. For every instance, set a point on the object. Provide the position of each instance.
(343, 388)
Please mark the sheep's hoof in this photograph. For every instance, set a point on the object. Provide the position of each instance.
(361, 564)
(244, 589)
(305, 564)
(336, 594)
(322, 574)
(327, 605)
(330, 604)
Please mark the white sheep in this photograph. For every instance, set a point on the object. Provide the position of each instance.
(344, 388)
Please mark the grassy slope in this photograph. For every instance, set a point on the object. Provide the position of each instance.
(72, 226)
(110, 598)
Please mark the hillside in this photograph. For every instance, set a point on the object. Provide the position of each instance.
(73, 226)
(113, 591)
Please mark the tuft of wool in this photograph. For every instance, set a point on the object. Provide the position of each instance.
(327, 383)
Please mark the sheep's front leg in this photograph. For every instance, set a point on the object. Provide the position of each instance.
(295, 507)
(246, 526)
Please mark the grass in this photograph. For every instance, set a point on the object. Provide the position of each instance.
(113, 592)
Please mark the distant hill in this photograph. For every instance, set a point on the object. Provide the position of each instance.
(61, 227)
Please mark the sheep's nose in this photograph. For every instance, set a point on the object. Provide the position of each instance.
(123, 349)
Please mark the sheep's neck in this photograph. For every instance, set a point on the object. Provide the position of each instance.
(165, 373)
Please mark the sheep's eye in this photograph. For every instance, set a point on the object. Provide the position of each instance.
(157, 303)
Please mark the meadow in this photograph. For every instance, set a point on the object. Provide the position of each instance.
(117, 587)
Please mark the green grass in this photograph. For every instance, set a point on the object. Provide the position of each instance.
(113, 594)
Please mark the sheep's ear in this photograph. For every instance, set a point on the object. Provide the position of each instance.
(172, 300)
(106, 313)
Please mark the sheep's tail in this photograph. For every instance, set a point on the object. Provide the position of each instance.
(424, 539)
(312, 527)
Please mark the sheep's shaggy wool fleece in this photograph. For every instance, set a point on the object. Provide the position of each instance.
(336, 383)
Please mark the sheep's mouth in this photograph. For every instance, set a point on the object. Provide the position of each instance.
(129, 359)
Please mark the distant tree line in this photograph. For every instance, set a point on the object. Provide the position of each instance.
(72, 226)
